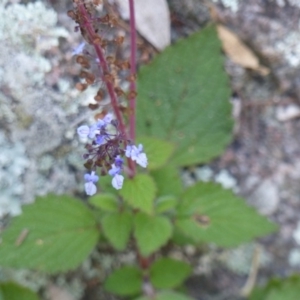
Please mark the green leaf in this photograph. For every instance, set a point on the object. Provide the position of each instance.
(139, 192)
(117, 228)
(13, 291)
(165, 203)
(168, 181)
(169, 273)
(208, 213)
(105, 185)
(54, 234)
(151, 232)
(158, 151)
(184, 99)
(126, 281)
(167, 295)
(278, 289)
(106, 202)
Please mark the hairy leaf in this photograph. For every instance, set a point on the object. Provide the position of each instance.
(106, 202)
(151, 232)
(13, 291)
(278, 289)
(54, 234)
(126, 281)
(139, 192)
(158, 151)
(117, 228)
(209, 213)
(165, 203)
(169, 273)
(184, 98)
(168, 181)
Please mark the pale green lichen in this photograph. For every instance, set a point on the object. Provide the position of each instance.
(289, 47)
(26, 32)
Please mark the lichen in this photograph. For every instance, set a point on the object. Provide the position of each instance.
(289, 47)
(13, 163)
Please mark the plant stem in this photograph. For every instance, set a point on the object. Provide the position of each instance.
(132, 87)
(103, 64)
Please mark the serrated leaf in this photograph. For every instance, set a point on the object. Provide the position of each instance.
(54, 234)
(13, 291)
(139, 192)
(151, 232)
(117, 228)
(165, 203)
(278, 289)
(184, 98)
(169, 273)
(106, 202)
(167, 295)
(158, 151)
(168, 181)
(126, 281)
(208, 213)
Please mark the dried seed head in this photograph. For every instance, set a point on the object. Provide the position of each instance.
(97, 40)
(109, 78)
(90, 78)
(110, 59)
(72, 14)
(93, 106)
(104, 19)
(131, 78)
(83, 74)
(100, 95)
(119, 91)
(131, 95)
(119, 40)
(97, 2)
(123, 65)
(83, 61)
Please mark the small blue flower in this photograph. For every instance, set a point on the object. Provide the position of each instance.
(137, 155)
(119, 161)
(100, 139)
(93, 131)
(117, 167)
(90, 187)
(117, 181)
(83, 131)
(79, 49)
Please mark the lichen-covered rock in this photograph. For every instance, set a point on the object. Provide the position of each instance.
(271, 28)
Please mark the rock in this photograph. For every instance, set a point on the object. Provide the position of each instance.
(266, 197)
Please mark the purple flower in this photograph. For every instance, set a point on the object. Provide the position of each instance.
(79, 49)
(117, 181)
(93, 131)
(100, 140)
(90, 187)
(83, 131)
(137, 155)
(108, 118)
(114, 170)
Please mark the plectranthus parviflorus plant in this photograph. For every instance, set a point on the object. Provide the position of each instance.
(175, 113)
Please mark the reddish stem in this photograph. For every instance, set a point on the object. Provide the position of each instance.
(103, 63)
(132, 87)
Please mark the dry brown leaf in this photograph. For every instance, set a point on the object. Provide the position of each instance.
(238, 52)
